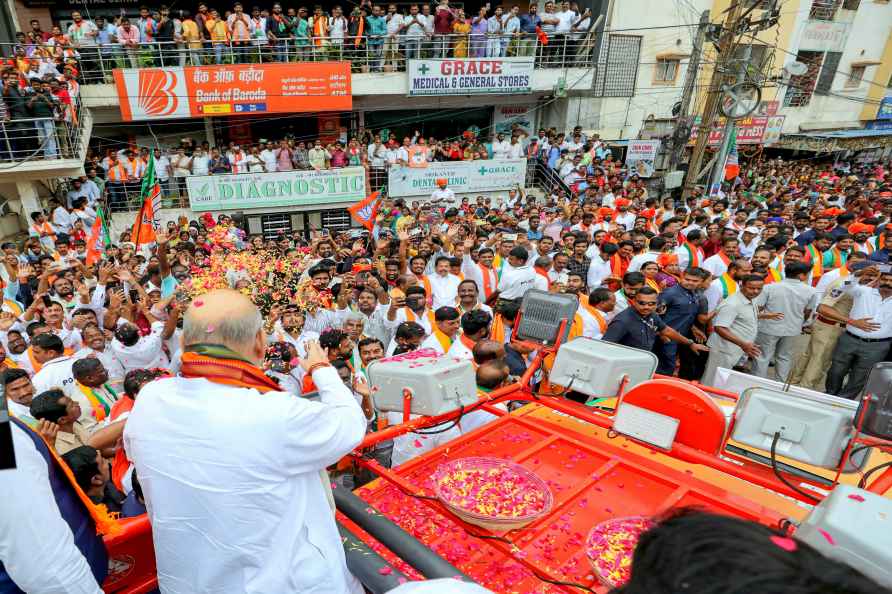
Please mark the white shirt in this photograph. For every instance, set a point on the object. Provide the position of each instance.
(515, 151)
(246, 469)
(394, 23)
(255, 164)
(868, 303)
(108, 358)
(162, 168)
(639, 260)
(444, 289)
(500, 149)
(598, 270)
(626, 220)
(37, 547)
(238, 161)
(200, 164)
(145, 354)
(715, 265)
(473, 271)
(445, 194)
(432, 342)
(460, 350)
(516, 281)
(56, 374)
(565, 21)
(269, 160)
(63, 220)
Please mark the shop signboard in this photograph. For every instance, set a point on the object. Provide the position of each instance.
(640, 156)
(233, 89)
(884, 111)
(471, 76)
(242, 191)
(824, 36)
(483, 176)
(506, 116)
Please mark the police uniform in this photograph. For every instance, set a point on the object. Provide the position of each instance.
(811, 368)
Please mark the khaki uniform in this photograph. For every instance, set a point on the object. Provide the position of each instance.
(811, 367)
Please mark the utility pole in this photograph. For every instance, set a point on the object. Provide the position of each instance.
(710, 109)
(718, 168)
(682, 129)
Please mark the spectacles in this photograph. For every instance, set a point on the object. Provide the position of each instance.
(646, 303)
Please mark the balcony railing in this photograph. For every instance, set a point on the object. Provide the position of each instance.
(367, 54)
(28, 139)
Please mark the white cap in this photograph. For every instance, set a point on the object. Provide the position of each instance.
(753, 230)
(440, 586)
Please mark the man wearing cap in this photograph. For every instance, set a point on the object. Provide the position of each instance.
(749, 241)
(623, 217)
(443, 193)
(830, 322)
(861, 238)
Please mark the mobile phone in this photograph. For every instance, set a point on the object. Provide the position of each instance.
(278, 364)
(509, 237)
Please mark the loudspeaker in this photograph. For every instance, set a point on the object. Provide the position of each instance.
(877, 396)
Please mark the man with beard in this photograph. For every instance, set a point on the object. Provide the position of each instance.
(820, 226)
(760, 263)
(861, 238)
(481, 271)
(726, 284)
(830, 277)
(632, 281)
(287, 325)
(53, 315)
(680, 307)
(735, 327)
(446, 327)
(475, 325)
(469, 298)
(867, 336)
(411, 308)
(95, 345)
(372, 307)
(595, 309)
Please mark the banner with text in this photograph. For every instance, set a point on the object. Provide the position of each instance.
(471, 76)
(641, 155)
(283, 188)
(463, 176)
(237, 89)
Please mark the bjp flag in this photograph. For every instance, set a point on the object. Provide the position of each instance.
(365, 211)
(147, 220)
(99, 237)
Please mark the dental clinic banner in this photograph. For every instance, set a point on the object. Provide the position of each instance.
(489, 175)
(239, 191)
(471, 76)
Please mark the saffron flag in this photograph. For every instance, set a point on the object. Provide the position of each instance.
(99, 237)
(732, 163)
(365, 211)
(541, 35)
(147, 220)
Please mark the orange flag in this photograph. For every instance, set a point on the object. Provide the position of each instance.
(147, 219)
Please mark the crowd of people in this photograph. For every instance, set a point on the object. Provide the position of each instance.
(374, 37)
(733, 280)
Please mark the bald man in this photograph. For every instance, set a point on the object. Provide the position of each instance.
(233, 470)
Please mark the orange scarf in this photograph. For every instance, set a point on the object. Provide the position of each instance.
(595, 313)
(485, 273)
(426, 282)
(653, 284)
(445, 341)
(120, 463)
(221, 366)
(544, 275)
(497, 330)
(106, 521)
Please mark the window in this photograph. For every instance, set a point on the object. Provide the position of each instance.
(617, 72)
(851, 4)
(336, 220)
(828, 72)
(823, 10)
(666, 70)
(800, 88)
(855, 77)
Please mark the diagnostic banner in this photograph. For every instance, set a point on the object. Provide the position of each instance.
(488, 175)
(471, 76)
(236, 89)
(238, 191)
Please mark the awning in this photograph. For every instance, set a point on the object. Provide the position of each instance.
(857, 133)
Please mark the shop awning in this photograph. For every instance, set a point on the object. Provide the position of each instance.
(857, 133)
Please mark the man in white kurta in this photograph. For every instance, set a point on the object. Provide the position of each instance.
(234, 477)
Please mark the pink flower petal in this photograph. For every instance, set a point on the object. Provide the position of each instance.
(385, 570)
(784, 542)
(827, 536)
(210, 329)
(856, 497)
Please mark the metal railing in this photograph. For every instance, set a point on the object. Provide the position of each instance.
(29, 139)
(366, 54)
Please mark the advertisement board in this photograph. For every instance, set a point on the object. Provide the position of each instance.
(233, 89)
(884, 112)
(506, 116)
(463, 176)
(283, 188)
(470, 76)
(640, 156)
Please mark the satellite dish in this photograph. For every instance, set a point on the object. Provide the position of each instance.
(795, 68)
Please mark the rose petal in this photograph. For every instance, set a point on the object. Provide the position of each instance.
(784, 542)
(385, 570)
(856, 497)
(210, 329)
(827, 536)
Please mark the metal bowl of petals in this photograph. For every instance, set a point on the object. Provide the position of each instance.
(495, 494)
(610, 547)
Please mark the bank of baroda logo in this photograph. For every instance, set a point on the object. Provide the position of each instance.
(160, 93)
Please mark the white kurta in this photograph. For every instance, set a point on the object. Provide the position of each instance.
(444, 289)
(37, 547)
(232, 484)
(145, 354)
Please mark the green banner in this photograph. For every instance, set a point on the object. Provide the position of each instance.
(240, 191)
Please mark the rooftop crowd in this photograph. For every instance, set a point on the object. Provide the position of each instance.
(733, 280)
